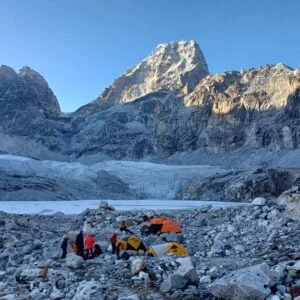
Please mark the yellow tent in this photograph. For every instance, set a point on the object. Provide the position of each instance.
(130, 243)
(167, 248)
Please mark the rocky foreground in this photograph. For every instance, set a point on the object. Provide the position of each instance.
(250, 252)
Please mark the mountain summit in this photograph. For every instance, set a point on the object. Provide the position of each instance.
(175, 66)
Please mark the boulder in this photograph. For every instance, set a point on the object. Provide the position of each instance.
(137, 265)
(296, 266)
(32, 273)
(243, 284)
(172, 237)
(130, 297)
(57, 294)
(89, 290)
(291, 200)
(4, 257)
(187, 270)
(259, 201)
(105, 206)
(205, 208)
(74, 261)
(173, 282)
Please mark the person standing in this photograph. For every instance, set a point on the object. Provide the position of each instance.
(89, 245)
(123, 227)
(64, 245)
(80, 243)
(113, 240)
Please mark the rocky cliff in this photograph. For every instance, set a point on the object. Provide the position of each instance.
(166, 105)
(24, 97)
(176, 67)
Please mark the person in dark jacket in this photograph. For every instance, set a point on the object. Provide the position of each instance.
(123, 227)
(64, 245)
(97, 250)
(80, 243)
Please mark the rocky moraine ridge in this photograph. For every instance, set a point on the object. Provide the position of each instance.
(248, 252)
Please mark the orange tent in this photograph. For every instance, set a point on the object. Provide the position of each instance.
(158, 220)
(170, 226)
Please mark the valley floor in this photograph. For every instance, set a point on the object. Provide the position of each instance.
(252, 252)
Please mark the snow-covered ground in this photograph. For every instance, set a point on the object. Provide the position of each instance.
(78, 206)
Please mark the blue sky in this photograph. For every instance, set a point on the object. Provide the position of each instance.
(81, 46)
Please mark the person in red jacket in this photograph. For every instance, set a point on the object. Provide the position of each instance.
(89, 244)
(113, 240)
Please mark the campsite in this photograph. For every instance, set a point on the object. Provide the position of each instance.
(216, 250)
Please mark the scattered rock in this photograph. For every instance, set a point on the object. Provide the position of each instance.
(259, 201)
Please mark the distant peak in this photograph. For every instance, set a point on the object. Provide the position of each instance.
(282, 66)
(32, 74)
(7, 74)
(7, 70)
(190, 43)
(26, 71)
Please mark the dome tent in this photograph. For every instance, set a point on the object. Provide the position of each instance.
(167, 248)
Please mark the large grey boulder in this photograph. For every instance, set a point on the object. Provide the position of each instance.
(259, 201)
(187, 270)
(89, 290)
(244, 284)
(173, 281)
(74, 261)
(137, 264)
(291, 199)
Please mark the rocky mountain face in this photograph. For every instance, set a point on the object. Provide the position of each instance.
(166, 105)
(24, 97)
(176, 67)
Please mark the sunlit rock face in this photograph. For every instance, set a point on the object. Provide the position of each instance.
(176, 67)
(254, 108)
(257, 89)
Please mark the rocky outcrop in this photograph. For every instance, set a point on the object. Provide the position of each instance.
(241, 185)
(291, 199)
(24, 97)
